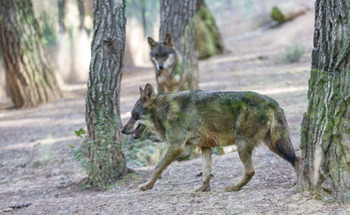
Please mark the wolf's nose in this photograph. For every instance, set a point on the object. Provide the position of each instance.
(161, 67)
(123, 130)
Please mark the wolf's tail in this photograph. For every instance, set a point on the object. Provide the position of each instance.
(280, 142)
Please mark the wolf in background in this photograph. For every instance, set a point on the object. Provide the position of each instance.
(210, 119)
(169, 65)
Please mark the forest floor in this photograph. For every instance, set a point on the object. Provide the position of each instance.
(39, 175)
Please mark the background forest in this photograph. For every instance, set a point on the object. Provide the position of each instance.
(43, 148)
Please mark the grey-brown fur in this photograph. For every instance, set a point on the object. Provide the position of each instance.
(210, 119)
(169, 65)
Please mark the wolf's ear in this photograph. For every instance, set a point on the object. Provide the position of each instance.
(148, 93)
(168, 40)
(141, 93)
(151, 42)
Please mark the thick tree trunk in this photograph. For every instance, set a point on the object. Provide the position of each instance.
(108, 44)
(208, 38)
(178, 19)
(31, 79)
(325, 131)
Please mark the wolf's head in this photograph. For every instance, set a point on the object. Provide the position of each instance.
(140, 115)
(163, 54)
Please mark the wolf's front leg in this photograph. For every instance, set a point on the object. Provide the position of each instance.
(206, 169)
(173, 152)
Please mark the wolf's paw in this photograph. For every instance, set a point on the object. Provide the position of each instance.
(203, 188)
(232, 188)
(145, 186)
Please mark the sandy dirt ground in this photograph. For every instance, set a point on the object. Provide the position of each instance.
(39, 175)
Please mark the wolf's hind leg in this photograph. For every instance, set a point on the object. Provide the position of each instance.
(245, 154)
(206, 169)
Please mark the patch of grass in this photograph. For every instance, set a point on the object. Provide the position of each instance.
(294, 52)
(37, 164)
(44, 156)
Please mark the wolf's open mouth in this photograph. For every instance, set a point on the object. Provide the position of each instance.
(137, 131)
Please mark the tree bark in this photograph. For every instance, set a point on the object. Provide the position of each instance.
(108, 44)
(31, 79)
(178, 19)
(325, 130)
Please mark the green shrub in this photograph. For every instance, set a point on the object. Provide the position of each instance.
(49, 34)
(102, 171)
(294, 52)
(277, 15)
(144, 152)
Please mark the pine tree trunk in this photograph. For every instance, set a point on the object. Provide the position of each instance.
(108, 44)
(31, 79)
(178, 19)
(325, 131)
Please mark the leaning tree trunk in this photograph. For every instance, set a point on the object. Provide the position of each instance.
(31, 79)
(325, 137)
(178, 19)
(208, 38)
(103, 93)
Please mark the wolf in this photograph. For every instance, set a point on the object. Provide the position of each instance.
(171, 75)
(210, 119)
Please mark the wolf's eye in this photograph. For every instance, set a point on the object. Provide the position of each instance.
(156, 55)
(164, 55)
(135, 115)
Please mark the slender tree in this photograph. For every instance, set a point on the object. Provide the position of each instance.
(103, 93)
(82, 15)
(31, 79)
(325, 130)
(143, 16)
(178, 19)
(61, 13)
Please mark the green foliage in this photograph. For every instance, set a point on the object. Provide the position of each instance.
(102, 169)
(144, 152)
(80, 133)
(277, 15)
(49, 35)
(294, 52)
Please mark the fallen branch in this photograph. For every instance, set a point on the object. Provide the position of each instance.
(21, 205)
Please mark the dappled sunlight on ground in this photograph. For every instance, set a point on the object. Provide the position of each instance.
(45, 141)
